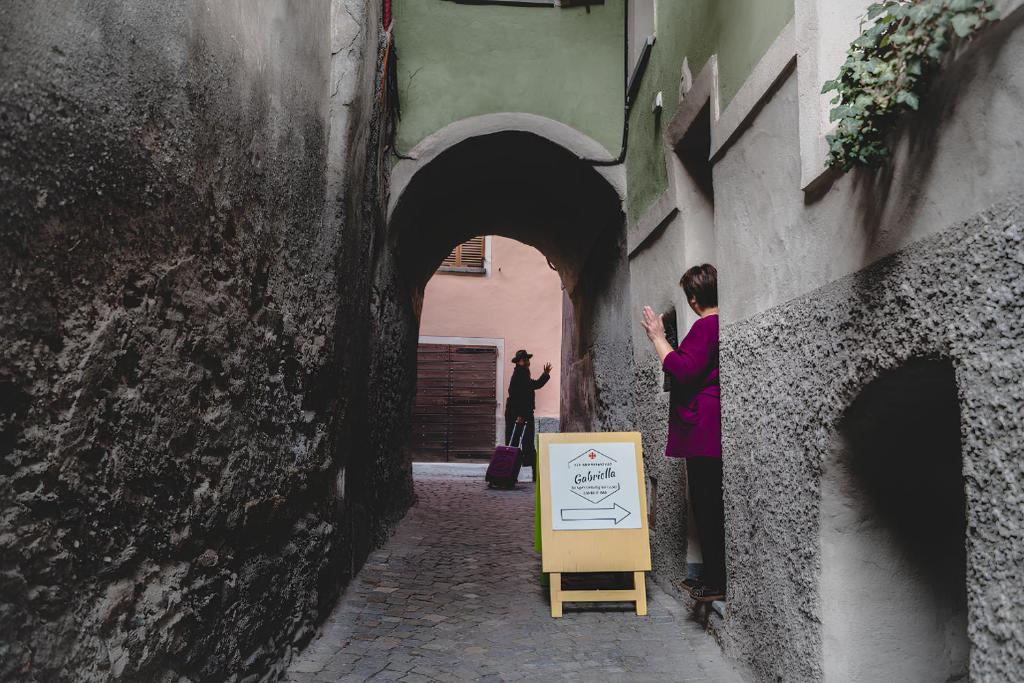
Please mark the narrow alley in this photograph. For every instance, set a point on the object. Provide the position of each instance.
(455, 596)
(272, 271)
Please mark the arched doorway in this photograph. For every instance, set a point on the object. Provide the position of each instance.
(491, 297)
(521, 185)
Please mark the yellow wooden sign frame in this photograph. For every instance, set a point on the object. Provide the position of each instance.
(601, 550)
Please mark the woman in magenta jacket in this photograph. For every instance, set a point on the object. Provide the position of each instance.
(695, 418)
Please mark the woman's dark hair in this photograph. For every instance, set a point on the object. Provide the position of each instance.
(701, 283)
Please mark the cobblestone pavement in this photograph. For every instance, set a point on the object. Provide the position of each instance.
(455, 596)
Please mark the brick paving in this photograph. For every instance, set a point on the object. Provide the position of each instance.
(454, 596)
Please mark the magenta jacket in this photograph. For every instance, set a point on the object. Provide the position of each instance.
(695, 412)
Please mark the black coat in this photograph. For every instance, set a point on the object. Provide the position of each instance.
(521, 393)
(521, 403)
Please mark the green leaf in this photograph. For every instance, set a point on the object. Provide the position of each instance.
(886, 68)
(963, 24)
(876, 8)
(908, 98)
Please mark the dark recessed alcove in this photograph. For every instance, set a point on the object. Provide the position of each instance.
(893, 522)
(902, 437)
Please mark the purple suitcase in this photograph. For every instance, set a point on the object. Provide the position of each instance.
(506, 463)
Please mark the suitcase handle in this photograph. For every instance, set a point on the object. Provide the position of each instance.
(521, 436)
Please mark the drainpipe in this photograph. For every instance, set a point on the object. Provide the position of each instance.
(631, 83)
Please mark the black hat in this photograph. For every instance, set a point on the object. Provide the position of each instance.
(521, 354)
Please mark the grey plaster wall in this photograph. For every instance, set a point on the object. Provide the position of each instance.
(789, 375)
(811, 315)
(684, 238)
(655, 270)
(960, 155)
(175, 330)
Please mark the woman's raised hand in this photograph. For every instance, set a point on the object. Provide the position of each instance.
(652, 324)
(547, 368)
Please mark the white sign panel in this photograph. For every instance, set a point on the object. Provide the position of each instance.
(594, 486)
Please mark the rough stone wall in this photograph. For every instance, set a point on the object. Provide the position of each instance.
(600, 343)
(957, 296)
(170, 422)
(374, 478)
(668, 524)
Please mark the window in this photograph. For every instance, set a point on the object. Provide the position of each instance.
(468, 257)
(642, 23)
(672, 335)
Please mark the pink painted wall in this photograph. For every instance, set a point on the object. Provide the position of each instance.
(520, 301)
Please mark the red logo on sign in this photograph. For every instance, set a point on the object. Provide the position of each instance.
(592, 455)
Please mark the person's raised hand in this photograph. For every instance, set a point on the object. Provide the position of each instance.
(547, 368)
(652, 324)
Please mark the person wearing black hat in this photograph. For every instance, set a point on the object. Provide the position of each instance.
(521, 403)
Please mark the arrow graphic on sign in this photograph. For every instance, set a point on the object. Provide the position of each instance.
(616, 514)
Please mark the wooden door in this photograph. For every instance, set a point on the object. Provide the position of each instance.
(454, 414)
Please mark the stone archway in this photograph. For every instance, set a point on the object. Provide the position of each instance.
(555, 132)
(524, 185)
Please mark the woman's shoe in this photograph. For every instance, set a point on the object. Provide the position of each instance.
(707, 594)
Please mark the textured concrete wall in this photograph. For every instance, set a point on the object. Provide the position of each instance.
(172, 502)
(810, 320)
(789, 375)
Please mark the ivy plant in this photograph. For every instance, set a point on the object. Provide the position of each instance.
(888, 69)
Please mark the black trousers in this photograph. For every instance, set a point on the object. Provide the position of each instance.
(529, 452)
(705, 480)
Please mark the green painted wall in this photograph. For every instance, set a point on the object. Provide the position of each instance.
(739, 31)
(456, 61)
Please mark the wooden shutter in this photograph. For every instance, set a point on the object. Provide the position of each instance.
(468, 257)
(454, 414)
(429, 430)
